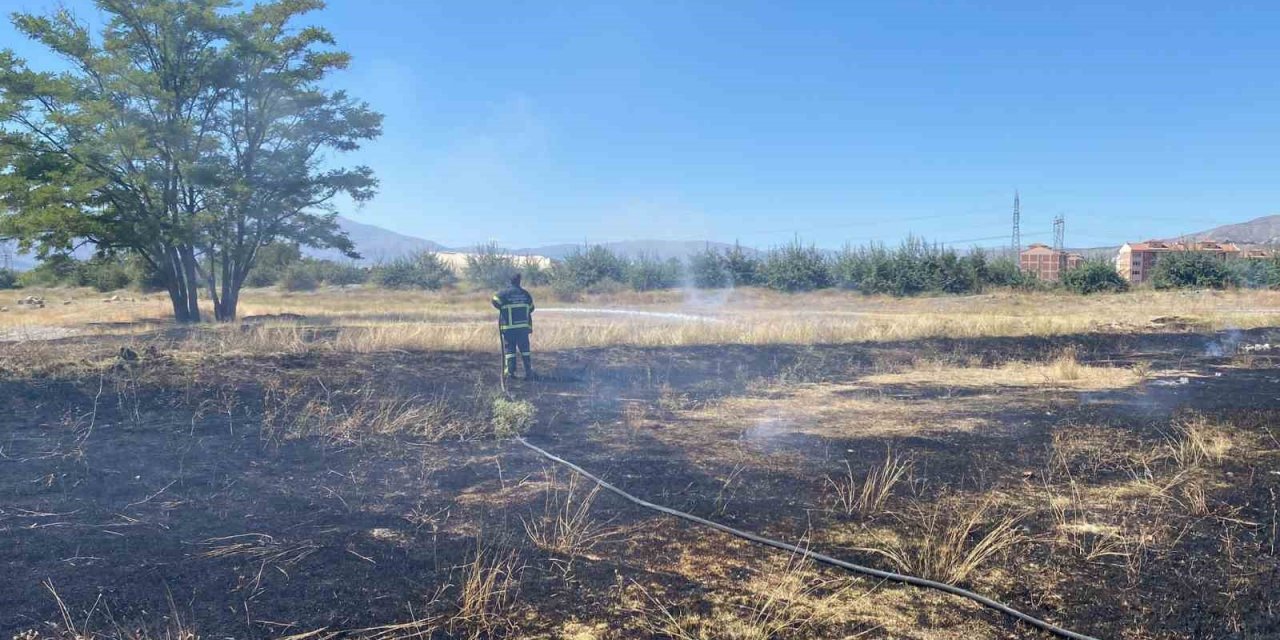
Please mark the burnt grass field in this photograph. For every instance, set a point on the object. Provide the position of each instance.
(323, 494)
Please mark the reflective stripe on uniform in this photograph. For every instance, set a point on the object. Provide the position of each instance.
(505, 314)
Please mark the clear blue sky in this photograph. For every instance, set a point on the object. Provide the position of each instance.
(541, 122)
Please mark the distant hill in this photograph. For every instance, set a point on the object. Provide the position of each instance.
(661, 249)
(1264, 230)
(375, 244)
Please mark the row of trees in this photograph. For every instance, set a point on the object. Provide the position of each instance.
(1199, 270)
(913, 268)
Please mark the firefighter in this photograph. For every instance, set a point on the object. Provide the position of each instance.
(515, 323)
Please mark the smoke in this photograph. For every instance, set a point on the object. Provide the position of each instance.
(657, 315)
(703, 299)
(1225, 345)
(766, 430)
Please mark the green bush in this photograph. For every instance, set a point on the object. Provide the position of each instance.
(512, 417)
(489, 267)
(562, 286)
(1255, 273)
(917, 267)
(271, 262)
(260, 276)
(103, 273)
(707, 270)
(8, 279)
(299, 277)
(533, 273)
(1094, 276)
(144, 277)
(648, 274)
(795, 267)
(341, 273)
(52, 271)
(585, 268)
(424, 270)
(1191, 269)
(744, 269)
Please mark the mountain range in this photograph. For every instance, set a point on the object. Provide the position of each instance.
(377, 244)
(374, 241)
(1264, 230)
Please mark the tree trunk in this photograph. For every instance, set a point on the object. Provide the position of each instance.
(190, 282)
(169, 264)
(226, 311)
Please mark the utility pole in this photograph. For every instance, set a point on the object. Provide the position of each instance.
(1017, 225)
(1059, 227)
(6, 256)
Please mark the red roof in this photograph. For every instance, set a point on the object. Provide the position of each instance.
(1161, 245)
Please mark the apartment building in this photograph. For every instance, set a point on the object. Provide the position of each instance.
(1046, 263)
(1136, 261)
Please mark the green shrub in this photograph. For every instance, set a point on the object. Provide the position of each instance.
(533, 273)
(512, 417)
(52, 271)
(1094, 276)
(8, 279)
(103, 273)
(744, 269)
(1256, 273)
(299, 277)
(262, 277)
(1191, 269)
(424, 270)
(595, 264)
(1004, 272)
(341, 273)
(707, 270)
(648, 274)
(145, 277)
(489, 267)
(271, 262)
(796, 268)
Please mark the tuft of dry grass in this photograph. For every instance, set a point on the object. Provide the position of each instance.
(1195, 500)
(173, 627)
(291, 412)
(786, 603)
(1066, 366)
(489, 590)
(867, 497)
(952, 542)
(1197, 441)
(566, 526)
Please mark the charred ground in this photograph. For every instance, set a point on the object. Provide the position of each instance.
(273, 495)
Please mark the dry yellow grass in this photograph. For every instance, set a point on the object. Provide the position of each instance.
(370, 320)
(1063, 371)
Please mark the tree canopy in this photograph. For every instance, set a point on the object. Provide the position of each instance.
(190, 133)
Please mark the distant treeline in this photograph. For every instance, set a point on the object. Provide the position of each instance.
(913, 268)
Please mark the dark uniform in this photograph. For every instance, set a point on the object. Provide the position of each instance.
(515, 323)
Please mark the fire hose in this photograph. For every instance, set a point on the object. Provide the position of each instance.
(819, 557)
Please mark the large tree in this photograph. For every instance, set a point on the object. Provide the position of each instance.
(187, 132)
